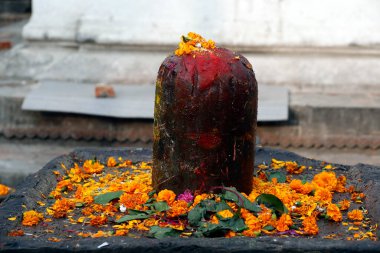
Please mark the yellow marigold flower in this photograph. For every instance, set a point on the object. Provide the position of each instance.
(344, 204)
(310, 225)
(111, 162)
(225, 214)
(276, 164)
(91, 167)
(334, 213)
(326, 180)
(284, 222)
(355, 214)
(31, 218)
(133, 200)
(323, 194)
(178, 208)
(166, 195)
(4, 190)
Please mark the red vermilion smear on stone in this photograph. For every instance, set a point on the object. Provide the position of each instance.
(205, 120)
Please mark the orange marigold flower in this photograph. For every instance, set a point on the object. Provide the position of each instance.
(121, 232)
(334, 213)
(323, 194)
(326, 180)
(341, 184)
(111, 162)
(293, 168)
(225, 214)
(98, 234)
(253, 223)
(133, 200)
(193, 42)
(64, 185)
(230, 234)
(166, 195)
(31, 218)
(344, 204)
(178, 208)
(18, 232)
(355, 214)
(4, 190)
(91, 167)
(97, 221)
(61, 207)
(284, 222)
(310, 225)
(298, 186)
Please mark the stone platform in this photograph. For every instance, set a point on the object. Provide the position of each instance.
(364, 177)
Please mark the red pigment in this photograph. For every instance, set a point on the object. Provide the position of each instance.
(205, 121)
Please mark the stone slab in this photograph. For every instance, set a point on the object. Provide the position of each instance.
(131, 101)
(365, 177)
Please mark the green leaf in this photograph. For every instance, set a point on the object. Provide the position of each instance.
(139, 216)
(161, 206)
(235, 224)
(195, 215)
(268, 228)
(230, 193)
(210, 229)
(281, 177)
(151, 193)
(107, 197)
(134, 212)
(163, 232)
(271, 201)
(213, 206)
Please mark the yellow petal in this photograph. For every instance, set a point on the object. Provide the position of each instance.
(12, 218)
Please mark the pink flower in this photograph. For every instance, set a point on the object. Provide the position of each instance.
(186, 196)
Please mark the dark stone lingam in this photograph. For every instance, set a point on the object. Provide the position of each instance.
(363, 177)
(204, 122)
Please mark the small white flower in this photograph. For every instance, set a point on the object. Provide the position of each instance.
(122, 208)
(198, 45)
(293, 207)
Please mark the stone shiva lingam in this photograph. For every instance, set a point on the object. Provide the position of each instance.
(205, 119)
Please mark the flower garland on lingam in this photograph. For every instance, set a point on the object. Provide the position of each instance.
(201, 182)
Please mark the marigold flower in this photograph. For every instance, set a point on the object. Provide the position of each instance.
(133, 200)
(310, 225)
(341, 184)
(344, 204)
(4, 190)
(178, 208)
(225, 214)
(284, 222)
(326, 180)
(166, 195)
(355, 214)
(17, 232)
(322, 194)
(61, 207)
(111, 162)
(298, 186)
(293, 168)
(334, 213)
(230, 234)
(31, 218)
(97, 221)
(91, 167)
(193, 42)
(121, 232)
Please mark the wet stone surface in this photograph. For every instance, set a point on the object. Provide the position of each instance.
(364, 177)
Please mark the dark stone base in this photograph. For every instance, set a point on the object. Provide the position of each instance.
(364, 177)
